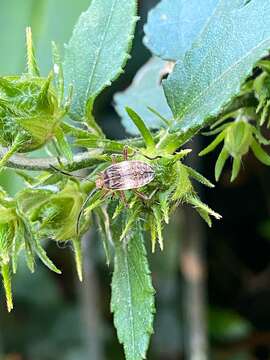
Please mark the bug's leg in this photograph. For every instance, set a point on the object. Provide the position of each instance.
(143, 196)
(123, 198)
(113, 194)
(125, 153)
(105, 193)
(113, 157)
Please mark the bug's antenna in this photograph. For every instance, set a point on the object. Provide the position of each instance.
(65, 173)
(82, 210)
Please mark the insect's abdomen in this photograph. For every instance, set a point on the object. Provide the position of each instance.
(128, 175)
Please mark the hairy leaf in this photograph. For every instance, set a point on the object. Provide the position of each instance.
(144, 92)
(132, 294)
(173, 26)
(98, 49)
(210, 74)
(6, 276)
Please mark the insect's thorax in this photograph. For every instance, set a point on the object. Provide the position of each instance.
(127, 175)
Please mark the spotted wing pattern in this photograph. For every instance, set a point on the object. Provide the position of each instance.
(128, 175)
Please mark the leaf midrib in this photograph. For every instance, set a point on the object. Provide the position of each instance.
(196, 98)
(99, 50)
(130, 302)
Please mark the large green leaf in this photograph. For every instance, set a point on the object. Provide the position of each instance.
(145, 91)
(98, 49)
(173, 26)
(236, 36)
(132, 294)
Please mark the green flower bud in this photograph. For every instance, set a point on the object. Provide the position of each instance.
(58, 214)
(238, 138)
(29, 112)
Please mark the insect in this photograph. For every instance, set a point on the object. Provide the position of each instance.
(118, 177)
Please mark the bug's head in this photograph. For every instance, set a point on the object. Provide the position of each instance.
(100, 182)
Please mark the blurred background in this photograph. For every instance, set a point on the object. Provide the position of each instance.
(213, 285)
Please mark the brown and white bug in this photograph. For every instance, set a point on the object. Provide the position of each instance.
(121, 176)
(125, 175)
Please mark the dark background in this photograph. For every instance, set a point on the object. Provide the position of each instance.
(55, 317)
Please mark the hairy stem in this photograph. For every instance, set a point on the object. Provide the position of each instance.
(81, 161)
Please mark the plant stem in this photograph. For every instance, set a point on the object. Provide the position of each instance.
(81, 161)
(193, 270)
(193, 266)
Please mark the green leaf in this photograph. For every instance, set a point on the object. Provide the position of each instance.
(173, 26)
(211, 73)
(32, 66)
(236, 168)
(58, 73)
(199, 177)
(132, 294)
(63, 144)
(223, 156)
(213, 144)
(94, 142)
(202, 208)
(77, 247)
(17, 244)
(144, 92)
(44, 257)
(132, 219)
(144, 131)
(98, 49)
(260, 154)
(6, 275)
(159, 219)
(103, 222)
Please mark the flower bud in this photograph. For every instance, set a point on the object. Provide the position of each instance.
(238, 138)
(29, 112)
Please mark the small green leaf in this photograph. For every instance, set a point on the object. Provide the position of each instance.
(94, 142)
(17, 245)
(183, 184)
(199, 177)
(77, 246)
(235, 168)
(132, 294)
(153, 232)
(32, 66)
(58, 73)
(75, 131)
(105, 231)
(6, 275)
(260, 154)
(144, 131)
(98, 49)
(223, 156)
(213, 144)
(132, 218)
(63, 144)
(44, 258)
(202, 208)
(164, 199)
(159, 219)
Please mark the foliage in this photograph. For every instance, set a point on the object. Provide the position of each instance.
(91, 68)
(205, 87)
(132, 292)
(145, 95)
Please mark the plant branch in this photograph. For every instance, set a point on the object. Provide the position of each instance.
(80, 161)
